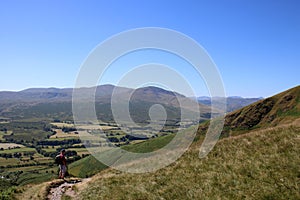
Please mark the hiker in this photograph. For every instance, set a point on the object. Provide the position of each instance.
(62, 164)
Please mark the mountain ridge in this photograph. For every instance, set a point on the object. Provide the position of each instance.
(57, 103)
(232, 102)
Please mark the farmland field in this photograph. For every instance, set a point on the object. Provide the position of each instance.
(60, 134)
(28, 148)
(18, 150)
(9, 145)
(2, 133)
(9, 161)
(96, 127)
(62, 125)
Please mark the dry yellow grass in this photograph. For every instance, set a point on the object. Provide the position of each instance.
(62, 125)
(61, 134)
(10, 145)
(95, 127)
(258, 165)
(37, 192)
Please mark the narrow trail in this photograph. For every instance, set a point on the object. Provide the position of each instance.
(69, 187)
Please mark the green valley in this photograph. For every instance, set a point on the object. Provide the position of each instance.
(249, 162)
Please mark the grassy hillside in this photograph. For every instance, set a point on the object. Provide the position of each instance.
(86, 167)
(280, 109)
(262, 164)
(258, 165)
(89, 166)
(259, 160)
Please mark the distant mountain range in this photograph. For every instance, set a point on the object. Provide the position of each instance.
(55, 103)
(232, 102)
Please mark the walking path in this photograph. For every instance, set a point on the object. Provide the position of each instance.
(68, 188)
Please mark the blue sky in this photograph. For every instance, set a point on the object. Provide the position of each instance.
(255, 44)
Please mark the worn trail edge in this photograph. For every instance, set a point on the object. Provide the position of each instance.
(64, 187)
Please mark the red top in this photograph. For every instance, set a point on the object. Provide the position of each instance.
(63, 159)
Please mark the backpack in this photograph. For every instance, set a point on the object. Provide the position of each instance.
(58, 160)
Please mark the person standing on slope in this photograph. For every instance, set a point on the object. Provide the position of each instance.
(62, 164)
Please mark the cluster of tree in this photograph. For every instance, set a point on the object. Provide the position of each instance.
(73, 159)
(136, 137)
(128, 137)
(53, 154)
(16, 147)
(3, 130)
(45, 153)
(26, 139)
(15, 155)
(6, 155)
(59, 142)
(23, 165)
(47, 127)
(113, 139)
(68, 129)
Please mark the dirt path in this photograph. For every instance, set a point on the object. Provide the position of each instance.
(69, 187)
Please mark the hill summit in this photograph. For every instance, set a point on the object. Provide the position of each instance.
(282, 108)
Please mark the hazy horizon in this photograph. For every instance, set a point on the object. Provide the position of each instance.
(232, 96)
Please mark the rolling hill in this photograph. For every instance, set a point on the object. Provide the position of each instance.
(260, 165)
(259, 161)
(257, 158)
(279, 109)
(284, 109)
(54, 103)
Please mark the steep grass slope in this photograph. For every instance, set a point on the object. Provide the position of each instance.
(279, 109)
(89, 166)
(259, 161)
(282, 108)
(259, 165)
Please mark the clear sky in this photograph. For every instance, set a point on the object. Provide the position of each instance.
(255, 44)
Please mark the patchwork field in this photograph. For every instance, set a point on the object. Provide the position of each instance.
(17, 150)
(62, 125)
(10, 145)
(60, 134)
(3, 133)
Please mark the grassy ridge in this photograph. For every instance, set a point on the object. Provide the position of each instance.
(282, 108)
(86, 167)
(259, 165)
(89, 166)
(150, 145)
